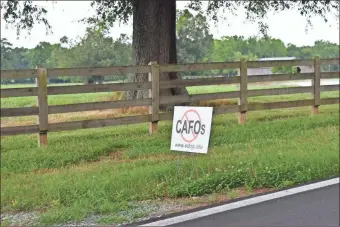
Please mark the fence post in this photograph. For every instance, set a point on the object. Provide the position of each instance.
(42, 120)
(316, 85)
(154, 95)
(243, 100)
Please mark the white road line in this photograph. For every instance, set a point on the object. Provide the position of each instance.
(242, 203)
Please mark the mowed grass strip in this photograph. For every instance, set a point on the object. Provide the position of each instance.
(101, 171)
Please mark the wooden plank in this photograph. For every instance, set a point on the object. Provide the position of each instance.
(243, 100)
(329, 87)
(280, 77)
(89, 71)
(166, 116)
(154, 77)
(19, 92)
(331, 61)
(102, 71)
(214, 96)
(289, 90)
(226, 109)
(69, 108)
(261, 106)
(19, 130)
(279, 91)
(42, 104)
(279, 105)
(98, 123)
(316, 82)
(21, 111)
(92, 88)
(290, 104)
(18, 74)
(328, 75)
(198, 97)
(199, 82)
(216, 111)
(198, 66)
(329, 101)
(279, 63)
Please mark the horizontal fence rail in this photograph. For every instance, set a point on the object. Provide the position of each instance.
(198, 67)
(19, 111)
(330, 61)
(329, 75)
(19, 92)
(199, 82)
(278, 63)
(93, 88)
(19, 130)
(68, 108)
(118, 70)
(154, 85)
(18, 74)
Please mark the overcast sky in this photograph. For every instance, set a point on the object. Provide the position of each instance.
(288, 26)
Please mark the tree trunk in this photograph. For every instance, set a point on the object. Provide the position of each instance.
(168, 50)
(154, 39)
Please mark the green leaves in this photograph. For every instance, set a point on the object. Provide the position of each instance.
(24, 14)
(256, 11)
(110, 11)
(193, 37)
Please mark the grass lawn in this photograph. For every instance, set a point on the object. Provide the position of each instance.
(101, 171)
(107, 171)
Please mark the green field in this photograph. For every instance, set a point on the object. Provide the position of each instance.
(108, 171)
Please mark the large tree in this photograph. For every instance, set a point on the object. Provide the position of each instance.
(154, 23)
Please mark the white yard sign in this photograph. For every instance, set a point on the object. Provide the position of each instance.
(191, 129)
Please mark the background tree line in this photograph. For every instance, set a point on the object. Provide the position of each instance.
(195, 43)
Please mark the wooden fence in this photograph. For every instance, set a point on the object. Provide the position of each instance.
(155, 100)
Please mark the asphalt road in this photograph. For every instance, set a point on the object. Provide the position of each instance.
(319, 207)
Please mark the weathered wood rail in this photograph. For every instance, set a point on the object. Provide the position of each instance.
(41, 91)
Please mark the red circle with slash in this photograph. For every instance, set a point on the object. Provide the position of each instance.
(186, 117)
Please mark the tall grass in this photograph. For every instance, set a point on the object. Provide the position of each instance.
(108, 170)
(102, 170)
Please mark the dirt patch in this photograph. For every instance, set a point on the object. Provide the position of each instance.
(77, 116)
(193, 202)
(115, 157)
(151, 208)
(11, 121)
(168, 206)
(44, 171)
(19, 219)
(218, 102)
